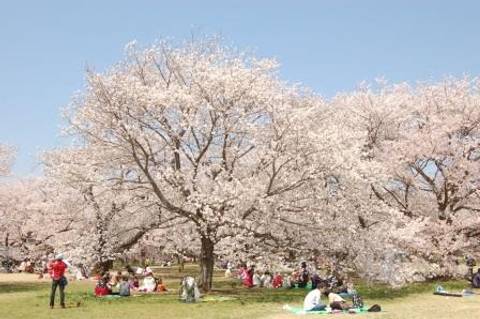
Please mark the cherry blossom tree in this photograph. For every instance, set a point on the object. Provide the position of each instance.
(110, 219)
(28, 220)
(210, 134)
(7, 155)
(409, 171)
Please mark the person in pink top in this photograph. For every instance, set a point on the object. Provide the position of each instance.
(57, 273)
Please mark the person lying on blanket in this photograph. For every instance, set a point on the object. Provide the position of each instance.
(313, 300)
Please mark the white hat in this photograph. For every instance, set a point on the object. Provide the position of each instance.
(59, 257)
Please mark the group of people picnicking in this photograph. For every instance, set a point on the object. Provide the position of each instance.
(298, 278)
(121, 284)
(124, 283)
(332, 287)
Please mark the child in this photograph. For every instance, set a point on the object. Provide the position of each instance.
(160, 286)
(124, 287)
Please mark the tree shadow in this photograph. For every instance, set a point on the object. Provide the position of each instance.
(6, 288)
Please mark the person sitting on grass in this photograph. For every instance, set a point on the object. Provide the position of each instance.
(336, 301)
(249, 279)
(257, 279)
(267, 280)
(294, 278)
(116, 279)
(134, 283)
(101, 288)
(243, 273)
(188, 290)
(106, 279)
(124, 287)
(313, 301)
(149, 283)
(476, 279)
(147, 270)
(304, 276)
(316, 280)
(277, 280)
(161, 286)
(287, 281)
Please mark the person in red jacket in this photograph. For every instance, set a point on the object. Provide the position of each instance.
(57, 273)
(277, 280)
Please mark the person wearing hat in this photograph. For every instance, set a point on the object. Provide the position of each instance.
(57, 273)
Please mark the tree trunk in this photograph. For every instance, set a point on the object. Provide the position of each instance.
(181, 263)
(207, 259)
(103, 266)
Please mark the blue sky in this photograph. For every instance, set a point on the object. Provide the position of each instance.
(329, 46)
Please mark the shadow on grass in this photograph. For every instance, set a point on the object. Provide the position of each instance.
(379, 291)
(6, 288)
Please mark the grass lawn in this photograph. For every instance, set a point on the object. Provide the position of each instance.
(24, 296)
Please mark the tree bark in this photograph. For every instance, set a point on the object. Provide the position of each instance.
(103, 266)
(181, 263)
(207, 259)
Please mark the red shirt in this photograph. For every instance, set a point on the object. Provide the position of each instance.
(101, 291)
(57, 269)
(277, 281)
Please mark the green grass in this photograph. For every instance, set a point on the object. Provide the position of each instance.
(382, 292)
(28, 298)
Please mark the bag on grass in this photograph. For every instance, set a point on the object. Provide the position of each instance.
(375, 308)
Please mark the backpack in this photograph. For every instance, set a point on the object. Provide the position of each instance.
(375, 308)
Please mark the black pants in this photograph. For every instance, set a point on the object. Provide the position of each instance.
(61, 287)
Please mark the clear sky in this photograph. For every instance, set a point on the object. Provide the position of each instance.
(329, 46)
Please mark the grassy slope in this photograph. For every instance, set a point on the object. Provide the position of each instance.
(25, 297)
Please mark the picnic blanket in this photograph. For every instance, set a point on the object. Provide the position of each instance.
(217, 298)
(328, 310)
(440, 291)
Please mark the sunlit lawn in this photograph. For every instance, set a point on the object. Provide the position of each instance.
(23, 296)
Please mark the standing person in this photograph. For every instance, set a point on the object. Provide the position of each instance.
(57, 273)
